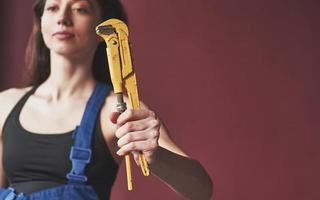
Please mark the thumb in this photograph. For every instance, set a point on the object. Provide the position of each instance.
(114, 117)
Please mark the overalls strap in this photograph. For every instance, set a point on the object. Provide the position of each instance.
(80, 154)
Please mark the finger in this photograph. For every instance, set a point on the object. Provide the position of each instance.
(114, 117)
(146, 154)
(133, 126)
(137, 136)
(136, 157)
(132, 115)
(142, 146)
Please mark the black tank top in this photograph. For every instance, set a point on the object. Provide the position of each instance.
(33, 161)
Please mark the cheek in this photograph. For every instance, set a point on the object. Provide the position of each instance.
(45, 31)
(88, 32)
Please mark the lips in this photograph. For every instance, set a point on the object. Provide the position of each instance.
(63, 35)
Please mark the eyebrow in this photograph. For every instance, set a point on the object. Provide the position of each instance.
(73, 1)
(89, 2)
(81, 0)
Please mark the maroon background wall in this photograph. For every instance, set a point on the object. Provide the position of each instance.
(236, 82)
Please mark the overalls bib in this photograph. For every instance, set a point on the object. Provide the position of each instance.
(80, 155)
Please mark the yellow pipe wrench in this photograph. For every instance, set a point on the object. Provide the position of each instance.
(115, 34)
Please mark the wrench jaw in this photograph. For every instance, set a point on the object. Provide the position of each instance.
(106, 27)
(105, 30)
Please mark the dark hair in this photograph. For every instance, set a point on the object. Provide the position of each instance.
(37, 54)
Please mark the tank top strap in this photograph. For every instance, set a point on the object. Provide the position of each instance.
(19, 105)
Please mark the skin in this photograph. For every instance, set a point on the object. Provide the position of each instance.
(67, 27)
(70, 84)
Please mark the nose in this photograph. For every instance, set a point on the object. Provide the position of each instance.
(64, 17)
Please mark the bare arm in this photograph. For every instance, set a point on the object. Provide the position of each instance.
(3, 182)
(3, 116)
(141, 131)
(183, 174)
(8, 99)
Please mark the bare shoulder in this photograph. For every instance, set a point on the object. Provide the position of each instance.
(109, 105)
(8, 99)
(107, 127)
(14, 92)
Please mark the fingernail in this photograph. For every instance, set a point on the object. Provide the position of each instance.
(119, 144)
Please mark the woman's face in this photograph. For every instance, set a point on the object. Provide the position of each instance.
(68, 26)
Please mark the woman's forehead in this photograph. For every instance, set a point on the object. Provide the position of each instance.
(72, 1)
(92, 3)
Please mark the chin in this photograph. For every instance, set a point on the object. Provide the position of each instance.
(64, 52)
(64, 49)
(74, 53)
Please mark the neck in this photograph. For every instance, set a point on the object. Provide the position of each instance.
(68, 77)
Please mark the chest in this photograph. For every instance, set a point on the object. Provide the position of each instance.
(40, 116)
(31, 157)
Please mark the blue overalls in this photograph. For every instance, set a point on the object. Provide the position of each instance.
(80, 155)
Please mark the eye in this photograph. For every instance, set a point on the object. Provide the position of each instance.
(81, 10)
(52, 8)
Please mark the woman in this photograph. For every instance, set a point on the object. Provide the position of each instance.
(38, 123)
